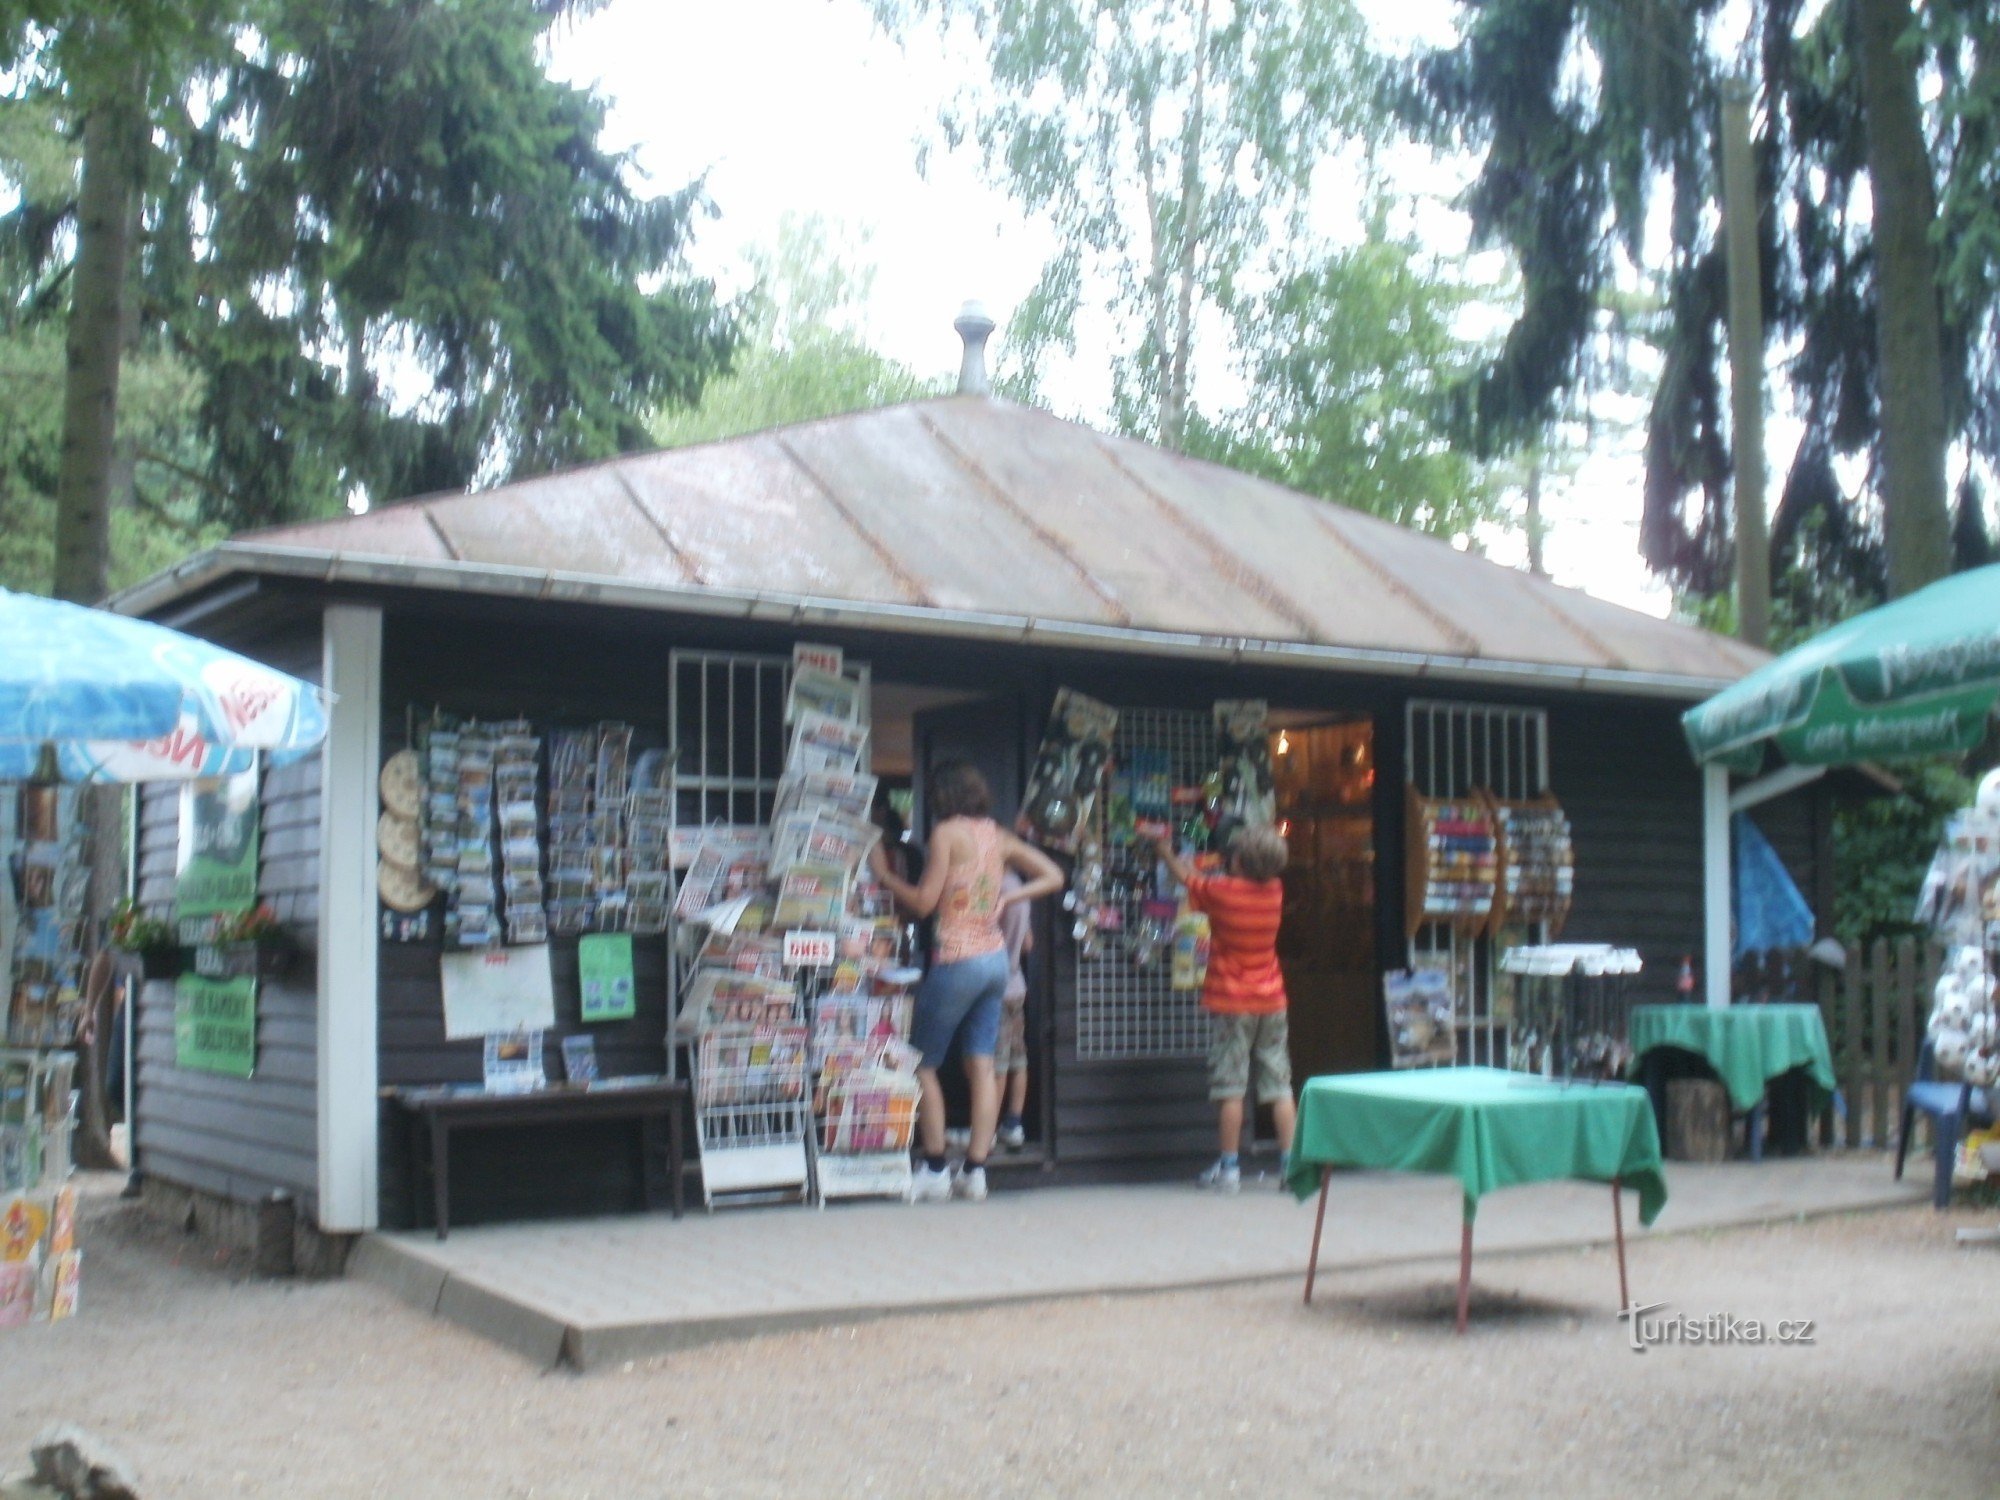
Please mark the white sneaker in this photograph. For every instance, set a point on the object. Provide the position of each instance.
(1221, 1178)
(928, 1186)
(970, 1184)
(1013, 1137)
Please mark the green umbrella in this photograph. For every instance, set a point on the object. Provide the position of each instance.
(1916, 677)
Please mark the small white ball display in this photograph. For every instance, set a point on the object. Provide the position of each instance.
(1949, 1050)
(1982, 1068)
(1948, 988)
(1964, 965)
(1982, 1030)
(1953, 1013)
(1987, 799)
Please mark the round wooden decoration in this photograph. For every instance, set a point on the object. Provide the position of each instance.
(396, 840)
(401, 889)
(402, 784)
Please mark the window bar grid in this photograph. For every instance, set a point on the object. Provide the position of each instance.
(1125, 1011)
(1510, 748)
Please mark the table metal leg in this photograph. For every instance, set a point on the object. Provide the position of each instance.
(1618, 1228)
(1319, 1222)
(441, 1175)
(1464, 1274)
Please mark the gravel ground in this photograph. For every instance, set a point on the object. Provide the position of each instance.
(215, 1385)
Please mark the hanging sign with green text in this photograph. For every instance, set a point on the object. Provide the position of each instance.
(215, 1024)
(218, 847)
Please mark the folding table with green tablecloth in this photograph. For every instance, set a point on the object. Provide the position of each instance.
(1747, 1045)
(1486, 1127)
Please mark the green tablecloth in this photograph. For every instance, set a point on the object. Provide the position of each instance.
(1488, 1128)
(1747, 1045)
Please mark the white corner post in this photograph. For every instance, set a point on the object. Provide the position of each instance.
(348, 934)
(1715, 884)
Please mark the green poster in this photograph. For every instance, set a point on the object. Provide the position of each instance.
(215, 1024)
(604, 964)
(218, 847)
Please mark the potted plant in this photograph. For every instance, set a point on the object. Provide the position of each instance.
(151, 939)
(260, 929)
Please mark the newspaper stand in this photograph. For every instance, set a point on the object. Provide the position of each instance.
(867, 1104)
(752, 1114)
(1573, 1010)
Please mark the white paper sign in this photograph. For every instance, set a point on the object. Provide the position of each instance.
(806, 949)
(498, 989)
(829, 659)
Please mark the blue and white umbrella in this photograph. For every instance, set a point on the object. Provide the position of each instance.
(86, 695)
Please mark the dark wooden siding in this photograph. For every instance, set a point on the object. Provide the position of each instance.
(1623, 773)
(242, 1138)
(552, 678)
(1619, 767)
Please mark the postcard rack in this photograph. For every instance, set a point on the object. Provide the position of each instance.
(1571, 1017)
(40, 1264)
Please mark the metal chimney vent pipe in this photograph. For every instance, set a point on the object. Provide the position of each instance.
(975, 327)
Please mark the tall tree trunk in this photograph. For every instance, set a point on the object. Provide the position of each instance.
(112, 142)
(107, 223)
(1537, 528)
(1740, 210)
(1915, 516)
(1174, 397)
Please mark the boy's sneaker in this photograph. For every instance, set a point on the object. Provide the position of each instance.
(1013, 1135)
(970, 1184)
(1222, 1177)
(928, 1186)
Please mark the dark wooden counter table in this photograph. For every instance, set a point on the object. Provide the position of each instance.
(437, 1113)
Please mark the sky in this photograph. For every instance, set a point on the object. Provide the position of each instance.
(803, 107)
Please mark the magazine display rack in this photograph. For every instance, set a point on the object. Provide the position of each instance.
(866, 1094)
(40, 1264)
(751, 1111)
(764, 924)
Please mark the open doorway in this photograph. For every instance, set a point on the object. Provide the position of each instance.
(1323, 768)
(917, 729)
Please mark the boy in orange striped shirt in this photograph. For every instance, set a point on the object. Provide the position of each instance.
(1244, 992)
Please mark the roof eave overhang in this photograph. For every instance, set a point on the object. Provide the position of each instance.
(505, 581)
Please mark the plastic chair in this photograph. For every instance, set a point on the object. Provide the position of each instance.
(1951, 1107)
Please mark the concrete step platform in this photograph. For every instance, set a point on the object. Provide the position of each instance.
(586, 1292)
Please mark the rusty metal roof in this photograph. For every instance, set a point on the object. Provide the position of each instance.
(974, 516)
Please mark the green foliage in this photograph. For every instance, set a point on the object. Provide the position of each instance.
(1596, 118)
(161, 521)
(1882, 847)
(384, 250)
(1350, 369)
(802, 355)
(1171, 146)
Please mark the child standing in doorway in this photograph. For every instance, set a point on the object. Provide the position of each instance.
(1010, 1052)
(1244, 993)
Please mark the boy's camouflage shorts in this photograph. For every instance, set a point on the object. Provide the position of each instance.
(1235, 1043)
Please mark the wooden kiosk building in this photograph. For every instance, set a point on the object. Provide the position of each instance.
(974, 556)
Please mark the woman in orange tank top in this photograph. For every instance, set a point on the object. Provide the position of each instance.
(961, 995)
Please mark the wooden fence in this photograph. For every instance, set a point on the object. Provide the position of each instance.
(1875, 1012)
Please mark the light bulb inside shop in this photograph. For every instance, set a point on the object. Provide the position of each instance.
(1284, 743)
